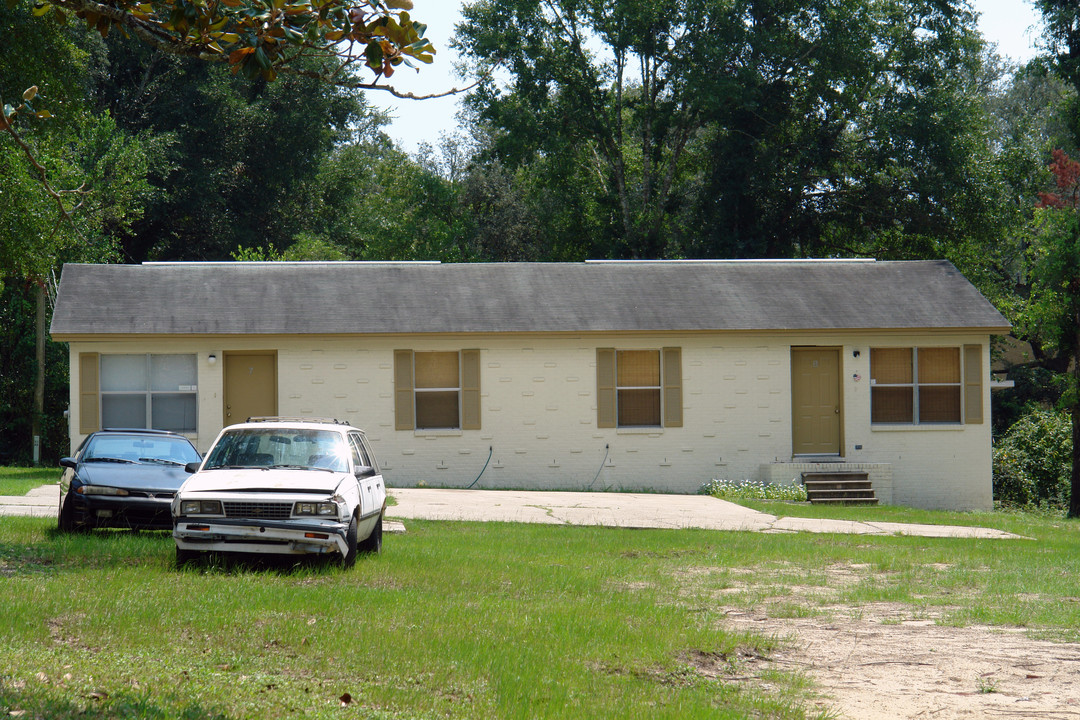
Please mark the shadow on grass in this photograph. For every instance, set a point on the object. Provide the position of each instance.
(29, 548)
(55, 702)
(235, 563)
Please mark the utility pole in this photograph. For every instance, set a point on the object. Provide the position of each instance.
(39, 380)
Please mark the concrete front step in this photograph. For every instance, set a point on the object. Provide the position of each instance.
(852, 488)
(847, 485)
(844, 501)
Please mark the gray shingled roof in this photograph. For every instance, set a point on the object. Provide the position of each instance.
(354, 298)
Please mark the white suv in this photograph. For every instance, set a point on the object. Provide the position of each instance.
(282, 485)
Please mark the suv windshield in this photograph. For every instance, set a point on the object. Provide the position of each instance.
(280, 447)
(140, 448)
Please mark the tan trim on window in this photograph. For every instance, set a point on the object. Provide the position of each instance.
(673, 391)
(973, 384)
(470, 389)
(89, 395)
(605, 387)
(404, 409)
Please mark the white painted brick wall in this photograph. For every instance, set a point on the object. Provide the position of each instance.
(538, 412)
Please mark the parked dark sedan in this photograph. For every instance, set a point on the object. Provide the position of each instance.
(123, 479)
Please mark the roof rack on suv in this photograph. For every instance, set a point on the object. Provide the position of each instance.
(282, 418)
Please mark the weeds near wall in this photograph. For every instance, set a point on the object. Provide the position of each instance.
(753, 490)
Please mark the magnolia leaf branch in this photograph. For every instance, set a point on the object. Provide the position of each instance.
(264, 37)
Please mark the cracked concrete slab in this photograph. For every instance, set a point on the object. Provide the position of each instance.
(638, 510)
(623, 510)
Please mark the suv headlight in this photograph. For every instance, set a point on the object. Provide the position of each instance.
(200, 507)
(320, 509)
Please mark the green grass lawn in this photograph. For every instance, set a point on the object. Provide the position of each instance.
(19, 481)
(472, 620)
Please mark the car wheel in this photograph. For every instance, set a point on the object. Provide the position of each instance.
(66, 519)
(186, 557)
(373, 542)
(350, 541)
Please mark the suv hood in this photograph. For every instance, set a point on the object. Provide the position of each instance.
(278, 480)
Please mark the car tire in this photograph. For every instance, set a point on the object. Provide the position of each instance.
(66, 519)
(373, 543)
(350, 541)
(186, 557)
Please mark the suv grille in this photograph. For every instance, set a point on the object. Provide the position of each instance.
(267, 510)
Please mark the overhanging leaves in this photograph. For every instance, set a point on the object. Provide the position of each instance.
(265, 37)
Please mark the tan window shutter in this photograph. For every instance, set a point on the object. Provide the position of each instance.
(470, 389)
(673, 393)
(605, 387)
(973, 384)
(89, 395)
(404, 409)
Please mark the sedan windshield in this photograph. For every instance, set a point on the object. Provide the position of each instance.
(277, 447)
(162, 450)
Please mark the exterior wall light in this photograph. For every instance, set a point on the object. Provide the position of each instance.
(212, 358)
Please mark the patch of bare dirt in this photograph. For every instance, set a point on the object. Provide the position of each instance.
(877, 662)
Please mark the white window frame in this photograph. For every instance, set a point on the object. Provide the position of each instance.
(418, 390)
(659, 388)
(149, 393)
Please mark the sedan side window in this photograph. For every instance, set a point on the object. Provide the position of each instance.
(361, 462)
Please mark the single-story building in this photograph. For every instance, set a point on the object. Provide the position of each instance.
(657, 375)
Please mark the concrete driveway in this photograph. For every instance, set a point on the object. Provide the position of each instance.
(638, 510)
(625, 510)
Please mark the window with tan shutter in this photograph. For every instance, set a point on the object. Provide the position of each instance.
(639, 388)
(917, 385)
(437, 390)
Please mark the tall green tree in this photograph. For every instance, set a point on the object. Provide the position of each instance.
(1061, 22)
(241, 155)
(69, 181)
(745, 128)
(1054, 304)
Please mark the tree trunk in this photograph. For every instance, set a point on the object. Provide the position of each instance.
(1074, 499)
(39, 380)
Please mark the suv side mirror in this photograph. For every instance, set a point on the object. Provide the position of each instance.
(67, 462)
(192, 467)
(364, 471)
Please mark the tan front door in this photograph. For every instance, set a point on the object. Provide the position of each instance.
(250, 385)
(815, 401)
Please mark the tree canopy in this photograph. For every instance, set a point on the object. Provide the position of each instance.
(740, 129)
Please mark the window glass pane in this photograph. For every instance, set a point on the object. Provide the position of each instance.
(169, 372)
(638, 368)
(173, 411)
(358, 458)
(892, 404)
(123, 372)
(639, 408)
(437, 370)
(939, 365)
(437, 410)
(123, 411)
(890, 366)
(939, 404)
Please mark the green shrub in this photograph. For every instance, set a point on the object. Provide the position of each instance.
(1033, 461)
(753, 490)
